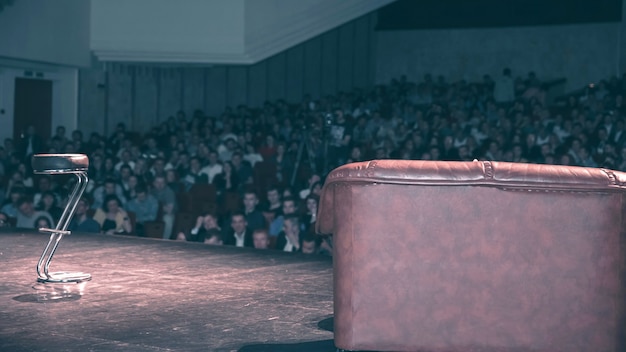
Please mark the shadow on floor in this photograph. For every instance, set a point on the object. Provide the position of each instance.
(327, 324)
(313, 346)
(47, 298)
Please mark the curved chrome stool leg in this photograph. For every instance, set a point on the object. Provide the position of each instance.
(49, 164)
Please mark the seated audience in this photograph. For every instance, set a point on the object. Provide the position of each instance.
(213, 237)
(43, 222)
(429, 120)
(240, 235)
(200, 232)
(48, 203)
(261, 239)
(242, 168)
(273, 199)
(213, 168)
(309, 244)
(112, 218)
(290, 239)
(44, 184)
(227, 180)
(312, 181)
(167, 202)
(145, 207)
(288, 208)
(11, 204)
(82, 221)
(254, 217)
(27, 216)
(194, 174)
(109, 188)
(310, 217)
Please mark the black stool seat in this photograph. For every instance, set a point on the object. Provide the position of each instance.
(55, 164)
(59, 163)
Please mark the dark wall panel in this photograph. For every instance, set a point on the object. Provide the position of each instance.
(438, 14)
(92, 96)
(170, 83)
(193, 92)
(120, 97)
(237, 92)
(145, 105)
(345, 57)
(330, 52)
(361, 55)
(257, 84)
(276, 76)
(295, 73)
(215, 90)
(313, 67)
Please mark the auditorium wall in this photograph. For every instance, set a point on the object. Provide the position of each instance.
(42, 39)
(352, 55)
(55, 32)
(582, 53)
(143, 96)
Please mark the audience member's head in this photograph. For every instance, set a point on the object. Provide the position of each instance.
(289, 206)
(141, 192)
(214, 237)
(270, 215)
(261, 239)
(273, 197)
(309, 244)
(291, 225)
(209, 221)
(82, 207)
(16, 194)
(25, 206)
(312, 201)
(250, 201)
(110, 186)
(111, 204)
(159, 182)
(42, 222)
(238, 222)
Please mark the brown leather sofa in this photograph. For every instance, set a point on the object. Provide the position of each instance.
(476, 256)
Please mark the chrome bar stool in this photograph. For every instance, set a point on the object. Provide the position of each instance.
(57, 164)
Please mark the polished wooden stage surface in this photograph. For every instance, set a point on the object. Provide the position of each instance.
(153, 295)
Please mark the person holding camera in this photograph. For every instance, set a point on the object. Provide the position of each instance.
(339, 138)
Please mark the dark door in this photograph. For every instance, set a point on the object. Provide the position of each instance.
(33, 107)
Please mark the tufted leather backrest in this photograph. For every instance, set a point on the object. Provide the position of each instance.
(504, 175)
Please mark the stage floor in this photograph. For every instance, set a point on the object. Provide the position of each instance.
(154, 295)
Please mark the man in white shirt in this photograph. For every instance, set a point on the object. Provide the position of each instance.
(126, 159)
(213, 168)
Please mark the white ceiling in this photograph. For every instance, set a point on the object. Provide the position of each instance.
(212, 32)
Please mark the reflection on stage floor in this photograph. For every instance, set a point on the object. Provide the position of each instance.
(154, 295)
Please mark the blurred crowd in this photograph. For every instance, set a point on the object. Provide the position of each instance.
(252, 176)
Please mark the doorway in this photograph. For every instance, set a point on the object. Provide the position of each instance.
(32, 107)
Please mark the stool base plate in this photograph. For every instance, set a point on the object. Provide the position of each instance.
(65, 276)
